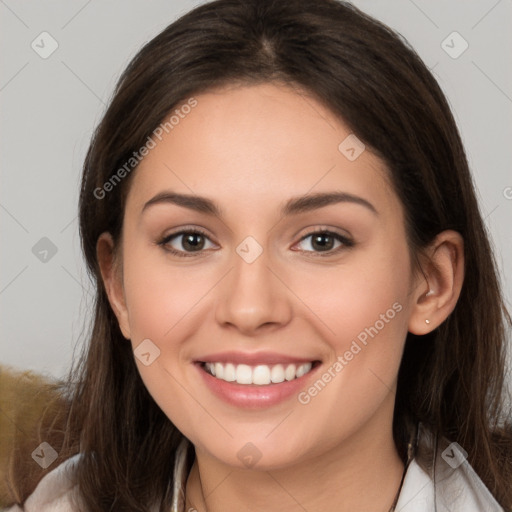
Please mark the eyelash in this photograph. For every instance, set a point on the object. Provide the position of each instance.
(346, 242)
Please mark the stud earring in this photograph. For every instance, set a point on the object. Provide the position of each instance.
(427, 321)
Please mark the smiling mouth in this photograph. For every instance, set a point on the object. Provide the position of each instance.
(259, 375)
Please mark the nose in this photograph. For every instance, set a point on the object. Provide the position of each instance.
(252, 298)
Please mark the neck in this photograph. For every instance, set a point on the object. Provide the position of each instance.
(361, 473)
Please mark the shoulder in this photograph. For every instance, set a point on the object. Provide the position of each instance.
(56, 492)
(447, 484)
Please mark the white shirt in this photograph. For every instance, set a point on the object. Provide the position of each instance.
(457, 487)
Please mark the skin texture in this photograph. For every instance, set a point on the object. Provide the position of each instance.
(250, 149)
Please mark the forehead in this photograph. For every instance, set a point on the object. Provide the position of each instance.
(256, 145)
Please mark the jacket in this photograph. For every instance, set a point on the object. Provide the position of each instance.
(447, 483)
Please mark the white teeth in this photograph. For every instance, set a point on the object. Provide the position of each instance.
(289, 373)
(243, 373)
(260, 375)
(230, 372)
(277, 374)
(219, 370)
(303, 369)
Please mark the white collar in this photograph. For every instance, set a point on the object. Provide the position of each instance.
(442, 488)
(444, 481)
(462, 491)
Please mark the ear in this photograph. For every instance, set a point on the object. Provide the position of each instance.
(111, 274)
(438, 286)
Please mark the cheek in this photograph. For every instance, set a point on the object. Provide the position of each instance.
(369, 292)
(364, 305)
(367, 319)
(160, 301)
(159, 295)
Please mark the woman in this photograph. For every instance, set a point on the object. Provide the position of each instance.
(297, 303)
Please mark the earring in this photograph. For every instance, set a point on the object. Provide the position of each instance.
(427, 321)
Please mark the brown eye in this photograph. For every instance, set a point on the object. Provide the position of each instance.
(183, 242)
(323, 241)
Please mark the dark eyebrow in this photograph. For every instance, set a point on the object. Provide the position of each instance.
(293, 206)
(310, 202)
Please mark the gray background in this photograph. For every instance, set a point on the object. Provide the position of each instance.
(50, 107)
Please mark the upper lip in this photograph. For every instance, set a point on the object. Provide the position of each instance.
(253, 358)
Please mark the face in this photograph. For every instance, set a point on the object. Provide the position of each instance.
(304, 302)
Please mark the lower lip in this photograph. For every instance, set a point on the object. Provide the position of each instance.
(252, 396)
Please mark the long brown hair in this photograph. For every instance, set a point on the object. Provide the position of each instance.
(452, 380)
